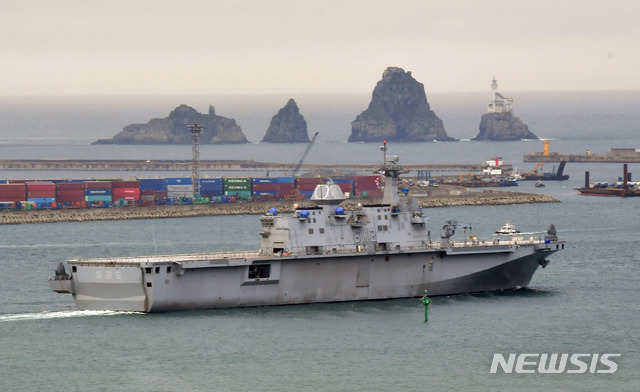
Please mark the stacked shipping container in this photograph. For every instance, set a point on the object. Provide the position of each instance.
(306, 185)
(179, 187)
(75, 193)
(13, 193)
(265, 188)
(237, 187)
(211, 187)
(70, 194)
(125, 192)
(152, 190)
(43, 193)
(97, 192)
(368, 186)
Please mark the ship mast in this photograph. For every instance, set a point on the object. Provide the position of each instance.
(391, 171)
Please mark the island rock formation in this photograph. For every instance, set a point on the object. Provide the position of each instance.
(499, 123)
(174, 129)
(503, 127)
(288, 126)
(398, 111)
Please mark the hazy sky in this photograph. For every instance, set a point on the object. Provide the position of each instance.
(314, 46)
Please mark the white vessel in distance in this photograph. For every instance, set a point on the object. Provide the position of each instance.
(507, 229)
(320, 254)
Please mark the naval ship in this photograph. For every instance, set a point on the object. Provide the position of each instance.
(324, 253)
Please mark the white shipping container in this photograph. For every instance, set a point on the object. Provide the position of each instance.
(175, 194)
(180, 188)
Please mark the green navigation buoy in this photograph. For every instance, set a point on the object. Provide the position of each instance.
(426, 301)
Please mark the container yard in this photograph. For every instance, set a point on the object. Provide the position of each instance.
(97, 193)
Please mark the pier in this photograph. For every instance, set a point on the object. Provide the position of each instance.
(616, 155)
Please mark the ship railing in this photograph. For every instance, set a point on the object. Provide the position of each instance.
(177, 258)
(437, 245)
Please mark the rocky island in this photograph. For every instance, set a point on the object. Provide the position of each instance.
(288, 126)
(398, 111)
(174, 129)
(499, 124)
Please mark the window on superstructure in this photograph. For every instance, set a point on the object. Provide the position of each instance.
(157, 270)
(310, 231)
(322, 230)
(169, 269)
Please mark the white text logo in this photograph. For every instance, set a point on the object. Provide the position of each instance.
(554, 363)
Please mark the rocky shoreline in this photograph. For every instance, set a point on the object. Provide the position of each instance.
(468, 198)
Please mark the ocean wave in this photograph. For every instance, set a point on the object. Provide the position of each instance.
(47, 315)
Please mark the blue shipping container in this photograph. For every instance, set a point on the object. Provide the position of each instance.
(263, 180)
(213, 184)
(342, 180)
(285, 180)
(258, 193)
(3, 181)
(42, 200)
(210, 181)
(307, 194)
(97, 192)
(178, 181)
(156, 184)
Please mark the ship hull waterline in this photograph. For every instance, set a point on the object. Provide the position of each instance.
(159, 287)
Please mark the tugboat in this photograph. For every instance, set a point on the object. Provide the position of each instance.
(324, 253)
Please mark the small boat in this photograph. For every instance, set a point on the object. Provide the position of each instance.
(508, 228)
(539, 184)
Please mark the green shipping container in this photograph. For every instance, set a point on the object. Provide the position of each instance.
(239, 194)
(237, 181)
(97, 198)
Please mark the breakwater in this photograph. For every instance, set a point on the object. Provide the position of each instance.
(204, 165)
(462, 198)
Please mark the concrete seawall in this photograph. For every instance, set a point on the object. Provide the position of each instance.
(487, 197)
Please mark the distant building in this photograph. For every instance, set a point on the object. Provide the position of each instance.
(499, 104)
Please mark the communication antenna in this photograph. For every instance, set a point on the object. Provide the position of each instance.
(195, 130)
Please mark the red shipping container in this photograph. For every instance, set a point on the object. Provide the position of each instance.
(346, 187)
(13, 187)
(41, 186)
(37, 194)
(13, 192)
(71, 186)
(128, 194)
(308, 184)
(266, 187)
(128, 191)
(286, 188)
(147, 192)
(125, 184)
(97, 185)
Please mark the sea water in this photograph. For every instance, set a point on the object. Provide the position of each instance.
(584, 301)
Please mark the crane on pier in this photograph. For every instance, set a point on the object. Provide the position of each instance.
(304, 155)
(195, 130)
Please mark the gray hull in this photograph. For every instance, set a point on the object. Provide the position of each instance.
(159, 286)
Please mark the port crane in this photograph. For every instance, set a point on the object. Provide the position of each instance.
(304, 155)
